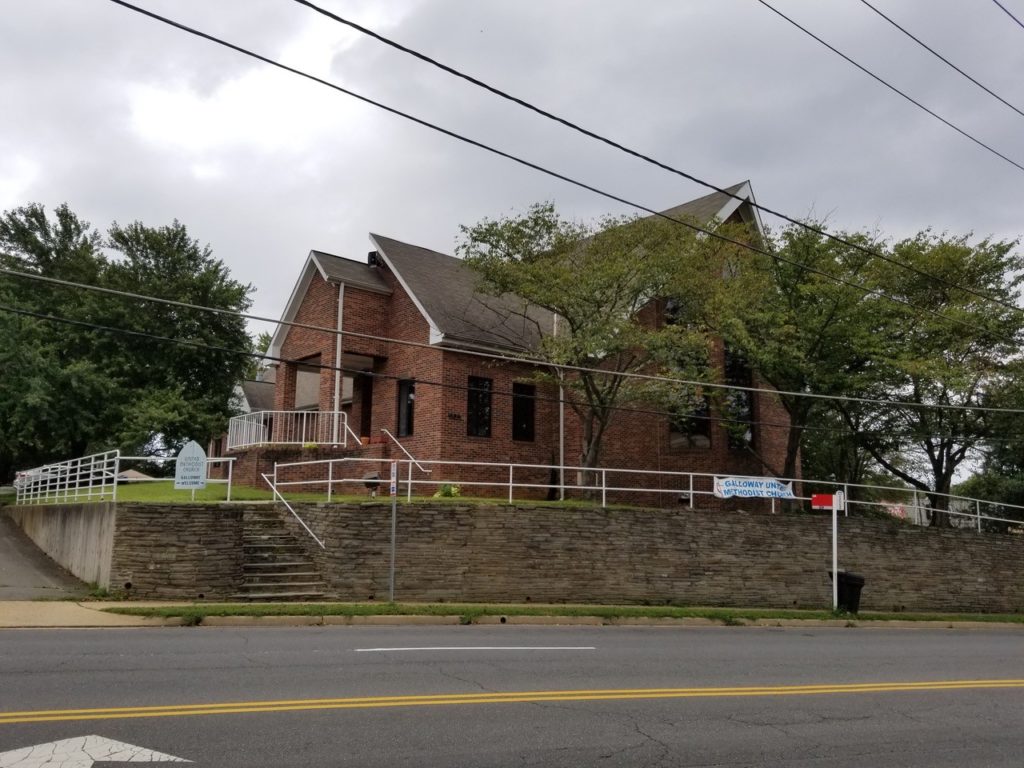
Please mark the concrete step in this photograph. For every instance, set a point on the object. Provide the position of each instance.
(286, 565)
(276, 578)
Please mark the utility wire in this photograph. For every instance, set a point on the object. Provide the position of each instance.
(447, 385)
(1007, 12)
(547, 171)
(891, 87)
(658, 163)
(943, 59)
(504, 357)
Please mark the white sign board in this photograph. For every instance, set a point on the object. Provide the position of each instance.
(190, 468)
(753, 487)
(394, 478)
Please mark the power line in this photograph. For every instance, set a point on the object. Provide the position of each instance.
(941, 58)
(547, 171)
(447, 385)
(653, 161)
(891, 87)
(1007, 12)
(501, 357)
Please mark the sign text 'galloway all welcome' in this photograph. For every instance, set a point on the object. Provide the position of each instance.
(753, 487)
(190, 468)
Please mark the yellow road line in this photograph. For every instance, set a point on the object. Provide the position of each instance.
(511, 697)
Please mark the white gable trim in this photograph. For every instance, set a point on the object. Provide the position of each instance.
(436, 336)
(747, 196)
(292, 307)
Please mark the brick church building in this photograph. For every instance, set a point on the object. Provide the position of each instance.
(410, 326)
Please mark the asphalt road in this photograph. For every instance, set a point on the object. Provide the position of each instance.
(323, 707)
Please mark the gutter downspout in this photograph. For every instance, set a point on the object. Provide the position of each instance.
(338, 374)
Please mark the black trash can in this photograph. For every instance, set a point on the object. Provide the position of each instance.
(850, 585)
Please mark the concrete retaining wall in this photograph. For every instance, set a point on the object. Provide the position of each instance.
(78, 536)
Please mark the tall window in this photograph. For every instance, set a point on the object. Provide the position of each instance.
(523, 411)
(739, 404)
(692, 430)
(406, 401)
(478, 407)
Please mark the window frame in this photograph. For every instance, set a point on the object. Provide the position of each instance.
(479, 406)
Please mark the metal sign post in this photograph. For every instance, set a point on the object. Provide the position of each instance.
(394, 517)
(835, 503)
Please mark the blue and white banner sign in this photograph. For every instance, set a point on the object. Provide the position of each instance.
(753, 487)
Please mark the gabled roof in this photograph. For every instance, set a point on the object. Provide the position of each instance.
(333, 269)
(259, 395)
(447, 294)
(719, 207)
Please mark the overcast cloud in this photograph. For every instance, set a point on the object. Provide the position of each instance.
(125, 118)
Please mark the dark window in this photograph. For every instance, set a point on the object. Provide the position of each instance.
(406, 401)
(478, 407)
(739, 404)
(692, 430)
(523, 411)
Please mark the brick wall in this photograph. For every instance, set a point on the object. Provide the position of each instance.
(494, 553)
(186, 552)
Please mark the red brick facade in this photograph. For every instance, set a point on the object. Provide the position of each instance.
(636, 439)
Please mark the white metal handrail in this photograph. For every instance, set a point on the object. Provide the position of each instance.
(408, 455)
(277, 494)
(601, 474)
(87, 478)
(288, 428)
(93, 478)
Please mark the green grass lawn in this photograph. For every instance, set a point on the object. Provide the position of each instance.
(468, 612)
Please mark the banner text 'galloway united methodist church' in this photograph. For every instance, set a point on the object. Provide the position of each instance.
(753, 487)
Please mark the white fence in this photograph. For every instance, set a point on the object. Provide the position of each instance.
(94, 478)
(289, 428)
(605, 483)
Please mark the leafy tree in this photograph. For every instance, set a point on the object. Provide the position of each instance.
(962, 359)
(598, 280)
(68, 390)
(801, 330)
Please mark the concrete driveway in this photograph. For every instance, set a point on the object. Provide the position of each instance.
(28, 574)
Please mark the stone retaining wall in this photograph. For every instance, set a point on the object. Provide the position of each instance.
(188, 551)
(497, 553)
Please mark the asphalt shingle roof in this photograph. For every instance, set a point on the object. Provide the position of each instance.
(356, 273)
(704, 209)
(259, 394)
(449, 293)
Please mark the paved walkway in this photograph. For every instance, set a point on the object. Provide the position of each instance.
(26, 573)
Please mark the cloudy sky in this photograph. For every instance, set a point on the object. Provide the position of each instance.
(127, 119)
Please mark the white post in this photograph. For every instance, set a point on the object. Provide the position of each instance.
(846, 500)
(394, 525)
(835, 557)
(510, 470)
(117, 471)
(977, 508)
(330, 479)
(691, 490)
(604, 488)
(408, 490)
(231, 469)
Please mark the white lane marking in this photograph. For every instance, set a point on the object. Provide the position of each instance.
(82, 752)
(484, 648)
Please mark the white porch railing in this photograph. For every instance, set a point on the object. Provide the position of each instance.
(289, 428)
